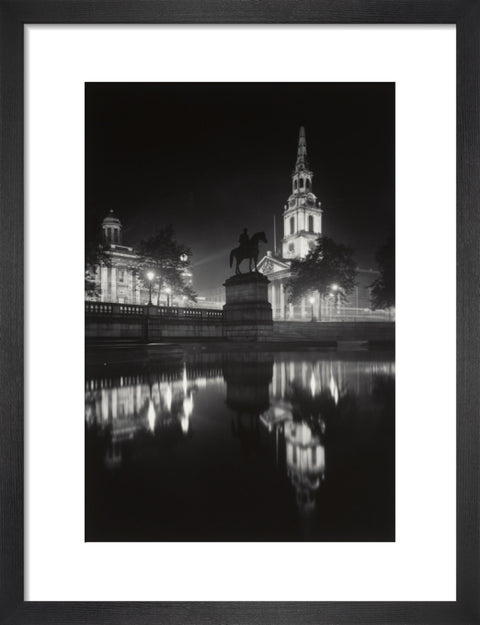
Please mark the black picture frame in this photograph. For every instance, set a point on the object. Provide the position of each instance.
(14, 14)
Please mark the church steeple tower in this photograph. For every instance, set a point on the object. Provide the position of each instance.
(302, 162)
(302, 176)
(302, 217)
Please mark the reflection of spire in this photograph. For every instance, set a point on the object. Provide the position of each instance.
(187, 411)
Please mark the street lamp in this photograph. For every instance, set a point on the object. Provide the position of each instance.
(334, 294)
(150, 276)
(312, 301)
(168, 290)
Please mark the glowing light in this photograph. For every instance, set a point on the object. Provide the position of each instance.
(168, 398)
(188, 405)
(150, 275)
(313, 384)
(311, 300)
(187, 411)
(151, 415)
(104, 401)
(334, 287)
(185, 381)
(333, 390)
(185, 423)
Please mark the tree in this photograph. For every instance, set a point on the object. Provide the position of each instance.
(163, 255)
(95, 254)
(328, 264)
(382, 293)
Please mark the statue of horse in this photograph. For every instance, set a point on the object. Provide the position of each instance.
(249, 251)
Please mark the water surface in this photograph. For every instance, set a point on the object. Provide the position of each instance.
(241, 446)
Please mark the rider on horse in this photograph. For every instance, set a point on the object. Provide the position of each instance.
(248, 249)
(244, 239)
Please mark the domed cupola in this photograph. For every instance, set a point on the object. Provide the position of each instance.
(112, 229)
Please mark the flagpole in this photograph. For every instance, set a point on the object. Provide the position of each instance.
(274, 236)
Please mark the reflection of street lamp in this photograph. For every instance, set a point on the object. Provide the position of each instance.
(312, 300)
(150, 276)
(168, 290)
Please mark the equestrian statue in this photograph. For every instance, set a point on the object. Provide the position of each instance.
(248, 248)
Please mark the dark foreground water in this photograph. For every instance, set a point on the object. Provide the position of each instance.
(241, 446)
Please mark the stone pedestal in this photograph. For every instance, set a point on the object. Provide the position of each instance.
(247, 313)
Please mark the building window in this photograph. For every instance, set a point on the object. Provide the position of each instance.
(115, 235)
(307, 183)
(295, 184)
(310, 223)
(291, 247)
(292, 225)
(121, 275)
(301, 183)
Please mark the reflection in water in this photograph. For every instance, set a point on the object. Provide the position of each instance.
(305, 461)
(288, 414)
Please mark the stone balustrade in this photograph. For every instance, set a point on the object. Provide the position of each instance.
(165, 312)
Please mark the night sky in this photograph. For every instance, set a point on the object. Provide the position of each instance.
(213, 158)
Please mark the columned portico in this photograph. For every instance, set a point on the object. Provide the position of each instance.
(272, 299)
(104, 283)
(282, 301)
(113, 283)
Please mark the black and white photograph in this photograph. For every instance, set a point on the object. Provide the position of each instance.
(240, 312)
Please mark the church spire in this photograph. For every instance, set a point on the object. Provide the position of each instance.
(302, 162)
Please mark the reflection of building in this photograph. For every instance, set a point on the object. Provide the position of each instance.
(302, 224)
(119, 279)
(305, 462)
(128, 405)
(300, 391)
(282, 408)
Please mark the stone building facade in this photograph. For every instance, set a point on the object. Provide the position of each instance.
(302, 225)
(119, 280)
